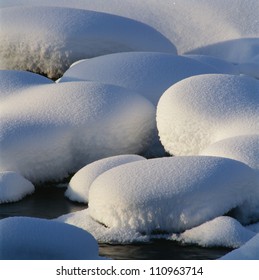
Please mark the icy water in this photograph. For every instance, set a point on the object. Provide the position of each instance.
(49, 202)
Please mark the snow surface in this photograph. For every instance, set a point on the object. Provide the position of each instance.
(80, 183)
(188, 24)
(39, 239)
(201, 110)
(253, 227)
(14, 187)
(249, 251)
(113, 235)
(248, 212)
(243, 148)
(239, 50)
(220, 232)
(147, 73)
(49, 131)
(169, 194)
(67, 35)
(220, 65)
(251, 67)
(12, 82)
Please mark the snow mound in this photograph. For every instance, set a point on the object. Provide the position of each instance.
(189, 24)
(249, 251)
(220, 65)
(169, 194)
(253, 227)
(117, 235)
(12, 82)
(149, 74)
(68, 35)
(250, 68)
(80, 183)
(201, 110)
(49, 131)
(14, 187)
(243, 148)
(39, 239)
(221, 231)
(248, 212)
(239, 50)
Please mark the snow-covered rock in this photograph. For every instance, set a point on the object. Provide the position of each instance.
(201, 110)
(49, 131)
(169, 194)
(188, 24)
(253, 227)
(249, 251)
(248, 212)
(250, 67)
(80, 183)
(67, 35)
(240, 50)
(148, 73)
(39, 239)
(102, 234)
(220, 65)
(222, 231)
(243, 148)
(12, 82)
(14, 187)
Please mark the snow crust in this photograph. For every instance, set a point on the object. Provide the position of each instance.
(49, 131)
(147, 73)
(169, 194)
(220, 232)
(80, 183)
(201, 110)
(14, 187)
(68, 35)
(249, 251)
(39, 239)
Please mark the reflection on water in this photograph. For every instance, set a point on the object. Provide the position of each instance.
(46, 202)
(161, 250)
(49, 202)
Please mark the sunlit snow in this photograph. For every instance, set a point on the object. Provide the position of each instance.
(222, 232)
(49, 131)
(169, 194)
(130, 81)
(80, 183)
(201, 110)
(67, 35)
(149, 74)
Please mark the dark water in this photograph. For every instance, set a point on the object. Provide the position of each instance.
(161, 250)
(49, 202)
(46, 202)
